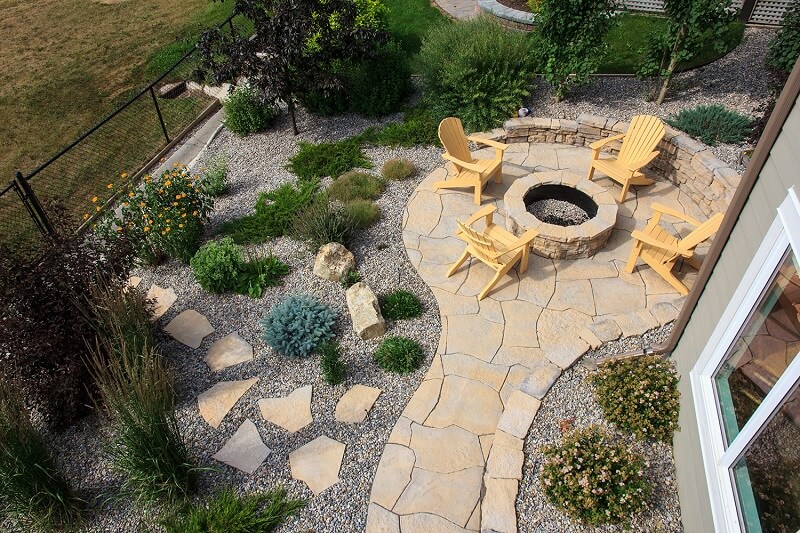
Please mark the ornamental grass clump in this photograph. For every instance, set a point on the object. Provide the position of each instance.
(712, 124)
(400, 355)
(400, 305)
(356, 185)
(398, 169)
(213, 180)
(323, 222)
(639, 395)
(363, 213)
(594, 479)
(297, 325)
(333, 370)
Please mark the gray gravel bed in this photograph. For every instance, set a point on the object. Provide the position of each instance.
(572, 398)
(256, 164)
(739, 81)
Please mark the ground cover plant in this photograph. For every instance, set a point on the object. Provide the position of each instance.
(354, 186)
(297, 325)
(594, 479)
(327, 159)
(400, 304)
(712, 124)
(227, 512)
(246, 113)
(398, 169)
(640, 395)
(334, 370)
(399, 354)
(213, 179)
(350, 278)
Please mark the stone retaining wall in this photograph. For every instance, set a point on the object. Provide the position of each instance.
(687, 163)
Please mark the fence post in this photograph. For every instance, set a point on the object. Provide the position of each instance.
(38, 211)
(160, 118)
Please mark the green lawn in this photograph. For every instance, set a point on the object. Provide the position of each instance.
(410, 20)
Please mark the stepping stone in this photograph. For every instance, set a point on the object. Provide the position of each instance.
(134, 281)
(215, 403)
(468, 404)
(317, 463)
(519, 414)
(356, 403)
(189, 328)
(228, 351)
(245, 450)
(164, 298)
(292, 412)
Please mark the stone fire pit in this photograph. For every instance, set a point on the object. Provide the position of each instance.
(552, 189)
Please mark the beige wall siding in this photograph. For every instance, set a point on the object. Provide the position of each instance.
(781, 171)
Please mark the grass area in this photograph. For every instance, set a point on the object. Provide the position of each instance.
(410, 20)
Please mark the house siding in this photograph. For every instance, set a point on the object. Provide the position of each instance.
(780, 172)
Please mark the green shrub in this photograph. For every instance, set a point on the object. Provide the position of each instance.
(363, 213)
(333, 370)
(350, 278)
(354, 185)
(325, 103)
(32, 491)
(398, 169)
(323, 222)
(476, 70)
(378, 86)
(216, 266)
(246, 113)
(327, 159)
(229, 513)
(400, 304)
(399, 354)
(593, 479)
(297, 325)
(640, 396)
(274, 213)
(418, 128)
(712, 124)
(213, 180)
(259, 273)
(784, 49)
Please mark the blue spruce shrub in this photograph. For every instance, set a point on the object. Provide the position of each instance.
(297, 325)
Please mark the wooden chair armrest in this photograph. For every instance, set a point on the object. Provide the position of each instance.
(602, 142)
(647, 239)
(666, 210)
(487, 142)
(526, 238)
(459, 162)
(633, 167)
(484, 211)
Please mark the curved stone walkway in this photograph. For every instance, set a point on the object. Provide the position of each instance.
(454, 459)
(459, 9)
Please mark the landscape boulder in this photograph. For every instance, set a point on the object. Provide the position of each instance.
(333, 261)
(365, 311)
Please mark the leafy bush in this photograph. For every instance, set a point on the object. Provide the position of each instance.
(419, 127)
(246, 113)
(350, 278)
(354, 185)
(274, 213)
(640, 396)
(297, 325)
(259, 273)
(163, 217)
(213, 180)
(323, 222)
(322, 102)
(216, 266)
(229, 513)
(400, 304)
(399, 354)
(378, 86)
(593, 479)
(327, 159)
(784, 49)
(363, 213)
(32, 491)
(398, 169)
(712, 124)
(476, 70)
(333, 370)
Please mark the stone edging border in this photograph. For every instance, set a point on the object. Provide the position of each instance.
(507, 16)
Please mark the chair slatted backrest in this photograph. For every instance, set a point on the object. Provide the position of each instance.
(482, 246)
(701, 233)
(643, 135)
(451, 133)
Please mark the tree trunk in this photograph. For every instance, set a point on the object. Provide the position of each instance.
(673, 64)
(291, 114)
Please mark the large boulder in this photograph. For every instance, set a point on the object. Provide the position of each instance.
(365, 311)
(333, 261)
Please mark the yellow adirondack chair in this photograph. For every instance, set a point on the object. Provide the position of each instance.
(494, 246)
(643, 135)
(471, 172)
(659, 249)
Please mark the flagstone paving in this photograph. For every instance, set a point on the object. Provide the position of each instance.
(163, 298)
(244, 450)
(354, 405)
(454, 458)
(317, 463)
(292, 412)
(217, 401)
(189, 328)
(228, 351)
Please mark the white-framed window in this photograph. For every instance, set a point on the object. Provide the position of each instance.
(746, 386)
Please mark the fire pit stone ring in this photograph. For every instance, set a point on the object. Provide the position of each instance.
(562, 193)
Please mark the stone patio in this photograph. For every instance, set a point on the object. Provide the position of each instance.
(497, 358)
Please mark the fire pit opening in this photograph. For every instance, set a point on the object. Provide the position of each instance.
(559, 205)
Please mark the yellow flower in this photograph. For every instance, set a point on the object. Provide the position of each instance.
(126, 204)
(97, 208)
(180, 225)
(167, 228)
(194, 213)
(178, 196)
(147, 228)
(167, 221)
(175, 164)
(119, 228)
(174, 203)
(123, 175)
(160, 215)
(167, 183)
(94, 199)
(184, 215)
(141, 204)
(147, 179)
(183, 195)
(86, 215)
(131, 194)
(110, 186)
(163, 232)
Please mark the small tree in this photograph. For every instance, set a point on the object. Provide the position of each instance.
(691, 25)
(785, 47)
(294, 43)
(571, 36)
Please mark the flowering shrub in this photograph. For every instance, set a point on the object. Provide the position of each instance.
(594, 479)
(163, 217)
(640, 396)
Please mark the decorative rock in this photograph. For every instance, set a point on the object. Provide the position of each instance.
(365, 311)
(134, 281)
(215, 403)
(292, 412)
(333, 261)
(189, 328)
(228, 351)
(317, 463)
(164, 298)
(355, 404)
(245, 450)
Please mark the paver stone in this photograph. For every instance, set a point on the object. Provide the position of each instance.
(189, 328)
(614, 296)
(451, 496)
(392, 475)
(505, 463)
(520, 327)
(573, 294)
(244, 450)
(445, 449)
(473, 368)
(519, 414)
(474, 335)
(228, 351)
(606, 330)
(354, 405)
(317, 463)
(164, 298)
(498, 510)
(217, 401)
(292, 412)
(468, 404)
(379, 520)
(427, 523)
(423, 401)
